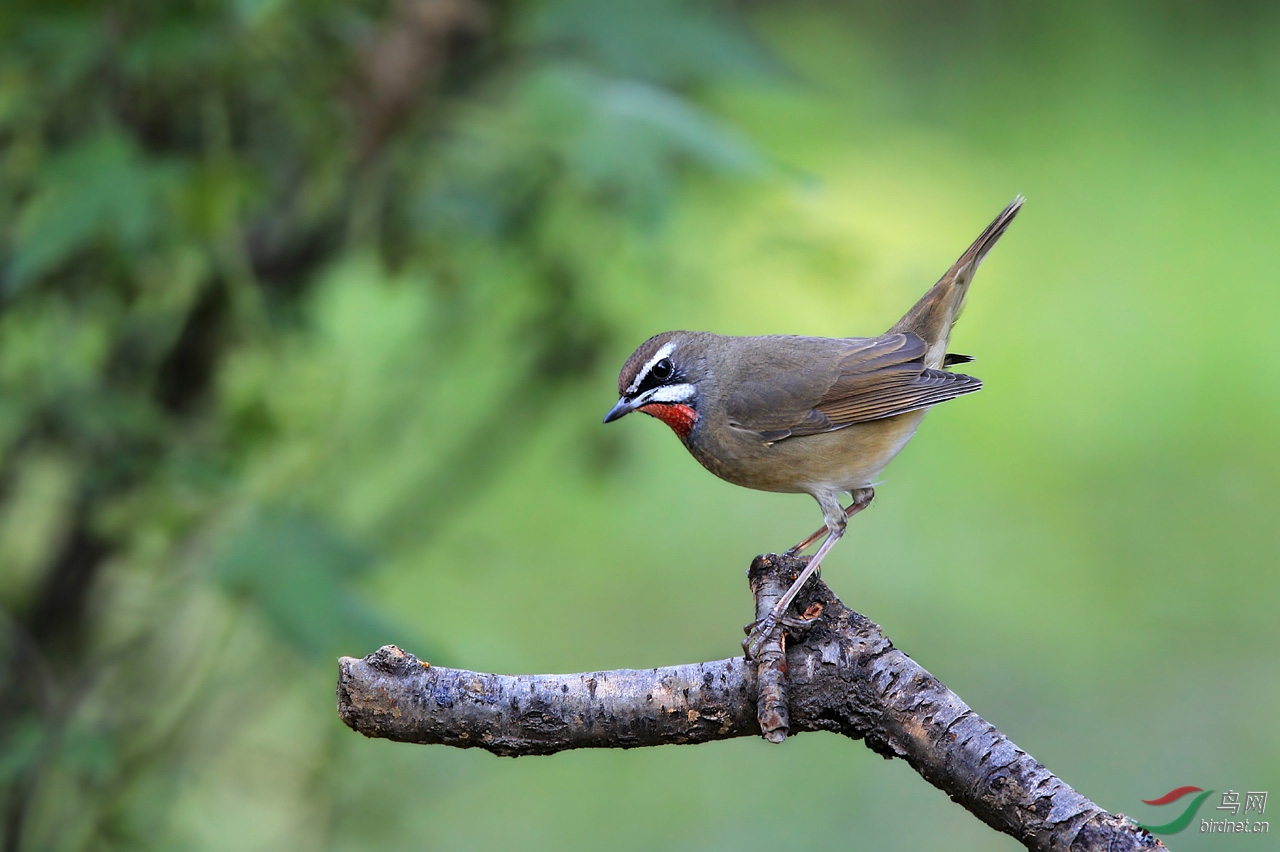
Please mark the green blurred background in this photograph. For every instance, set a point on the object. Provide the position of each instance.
(309, 312)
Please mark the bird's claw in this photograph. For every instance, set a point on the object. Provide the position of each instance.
(758, 633)
(797, 626)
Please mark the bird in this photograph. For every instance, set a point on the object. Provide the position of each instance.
(812, 415)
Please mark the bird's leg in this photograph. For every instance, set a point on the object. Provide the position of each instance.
(804, 545)
(837, 519)
(762, 629)
(861, 500)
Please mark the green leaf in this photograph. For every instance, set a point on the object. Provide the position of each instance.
(662, 41)
(98, 188)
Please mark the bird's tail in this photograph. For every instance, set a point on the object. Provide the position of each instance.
(932, 317)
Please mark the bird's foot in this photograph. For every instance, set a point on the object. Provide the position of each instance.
(759, 633)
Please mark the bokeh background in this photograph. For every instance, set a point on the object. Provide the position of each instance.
(309, 312)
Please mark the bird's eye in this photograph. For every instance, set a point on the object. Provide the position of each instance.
(662, 370)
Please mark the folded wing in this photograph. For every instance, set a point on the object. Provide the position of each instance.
(866, 379)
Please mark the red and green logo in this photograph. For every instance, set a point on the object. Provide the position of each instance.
(1184, 819)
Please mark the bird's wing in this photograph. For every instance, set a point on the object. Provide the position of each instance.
(866, 379)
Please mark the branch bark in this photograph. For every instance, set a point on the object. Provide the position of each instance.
(839, 674)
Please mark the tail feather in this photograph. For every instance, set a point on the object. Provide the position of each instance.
(932, 317)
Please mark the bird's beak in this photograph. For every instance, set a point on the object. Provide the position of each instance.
(624, 406)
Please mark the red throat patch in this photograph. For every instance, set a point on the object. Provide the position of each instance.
(676, 415)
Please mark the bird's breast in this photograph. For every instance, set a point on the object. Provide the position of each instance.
(844, 459)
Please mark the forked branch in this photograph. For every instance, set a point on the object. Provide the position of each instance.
(840, 674)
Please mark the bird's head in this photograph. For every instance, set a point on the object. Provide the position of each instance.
(661, 378)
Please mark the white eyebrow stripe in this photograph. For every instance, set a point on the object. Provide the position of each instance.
(672, 393)
(666, 350)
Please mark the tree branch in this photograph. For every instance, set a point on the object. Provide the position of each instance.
(841, 675)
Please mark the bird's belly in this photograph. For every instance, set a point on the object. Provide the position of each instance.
(842, 460)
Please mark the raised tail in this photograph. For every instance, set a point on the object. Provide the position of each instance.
(932, 317)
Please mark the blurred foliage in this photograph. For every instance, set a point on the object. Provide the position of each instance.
(309, 312)
(247, 238)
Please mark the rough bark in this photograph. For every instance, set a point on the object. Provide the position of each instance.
(839, 673)
(772, 713)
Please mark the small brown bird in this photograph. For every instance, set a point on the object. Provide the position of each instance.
(815, 415)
